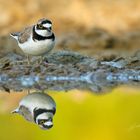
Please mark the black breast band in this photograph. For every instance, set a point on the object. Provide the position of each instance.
(39, 37)
(42, 110)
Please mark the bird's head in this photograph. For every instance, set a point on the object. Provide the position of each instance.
(44, 118)
(43, 27)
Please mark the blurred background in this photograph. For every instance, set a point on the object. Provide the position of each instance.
(112, 15)
(80, 114)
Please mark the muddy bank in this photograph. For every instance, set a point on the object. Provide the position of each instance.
(67, 70)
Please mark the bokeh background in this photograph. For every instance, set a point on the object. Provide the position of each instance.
(80, 114)
(109, 14)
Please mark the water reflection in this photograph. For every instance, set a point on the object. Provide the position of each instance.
(69, 70)
(38, 108)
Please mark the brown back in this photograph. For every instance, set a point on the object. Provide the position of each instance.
(25, 34)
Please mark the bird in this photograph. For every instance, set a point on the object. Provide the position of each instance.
(36, 40)
(38, 108)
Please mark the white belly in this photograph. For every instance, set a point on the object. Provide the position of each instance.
(37, 47)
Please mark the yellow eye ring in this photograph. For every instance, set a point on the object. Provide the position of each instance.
(40, 26)
(42, 122)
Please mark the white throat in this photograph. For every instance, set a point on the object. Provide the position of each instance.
(42, 32)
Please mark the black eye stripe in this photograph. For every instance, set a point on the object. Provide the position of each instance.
(40, 27)
(44, 120)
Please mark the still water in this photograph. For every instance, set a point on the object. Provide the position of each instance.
(80, 115)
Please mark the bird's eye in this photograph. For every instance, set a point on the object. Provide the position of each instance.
(40, 26)
(42, 122)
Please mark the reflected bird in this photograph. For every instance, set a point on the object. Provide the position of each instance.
(38, 108)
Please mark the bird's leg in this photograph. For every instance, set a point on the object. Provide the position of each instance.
(28, 91)
(44, 61)
(28, 60)
(41, 58)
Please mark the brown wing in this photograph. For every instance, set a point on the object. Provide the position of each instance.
(25, 112)
(25, 34)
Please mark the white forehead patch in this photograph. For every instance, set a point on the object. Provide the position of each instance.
(47, 25)
(41, 32)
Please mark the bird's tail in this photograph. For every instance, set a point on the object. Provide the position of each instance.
(14, 35)
(15, 111)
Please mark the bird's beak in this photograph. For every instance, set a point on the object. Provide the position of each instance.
(49, 30)
(15, 111)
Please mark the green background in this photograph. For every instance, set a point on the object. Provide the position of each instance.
(80, 115)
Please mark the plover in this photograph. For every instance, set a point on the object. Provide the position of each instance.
(38, 108)
(36, 40)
